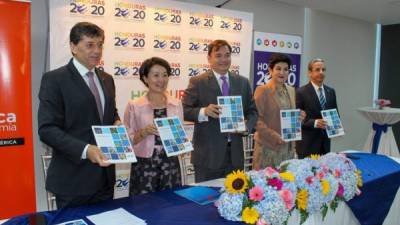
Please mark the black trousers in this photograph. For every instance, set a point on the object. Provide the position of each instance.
(205, 174)
(103, 194)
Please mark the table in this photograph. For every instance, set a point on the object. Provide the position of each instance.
(382, 120)
(168, 208)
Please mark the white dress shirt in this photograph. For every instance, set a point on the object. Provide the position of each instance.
(83, 72)
(202, 115)
(316, 88)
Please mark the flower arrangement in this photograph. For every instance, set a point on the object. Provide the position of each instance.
(382, 103)
(268, 196)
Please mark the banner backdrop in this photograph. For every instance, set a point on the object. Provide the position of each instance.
(17, 183)
(267, 43)
(136, 30)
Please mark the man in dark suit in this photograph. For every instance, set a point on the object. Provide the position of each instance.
(312, 98)
(72, 99)
(216, 154)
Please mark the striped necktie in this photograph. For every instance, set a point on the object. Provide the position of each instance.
(96, 94)
(321, 97)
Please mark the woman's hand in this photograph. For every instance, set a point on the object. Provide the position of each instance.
(281, 141)
(143, 133)
(150, 129)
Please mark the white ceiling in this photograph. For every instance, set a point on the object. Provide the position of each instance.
(376, 11)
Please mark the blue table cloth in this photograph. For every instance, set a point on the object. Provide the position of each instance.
(381, 178)
(161, 208)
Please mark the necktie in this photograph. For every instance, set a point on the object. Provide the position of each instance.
(322, 99)
(225, 92)
(95, 93)
(225, 86)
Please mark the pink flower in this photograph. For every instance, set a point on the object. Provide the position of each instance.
(338, 173)
(261, 221)
(340, 191)
(276, 183)
(310, 179)
(287, 197)
(321, 175)
(325, 168)
(256, 193)
(382, 102)
(269, 171)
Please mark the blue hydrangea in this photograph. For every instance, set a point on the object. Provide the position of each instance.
(315, 198)
(272, 208)
(333, 187)
(348, 177)
(230, 206)
(308, 173)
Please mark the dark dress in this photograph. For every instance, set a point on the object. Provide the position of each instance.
(158, 172)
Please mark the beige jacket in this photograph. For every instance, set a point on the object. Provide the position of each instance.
(268, 125)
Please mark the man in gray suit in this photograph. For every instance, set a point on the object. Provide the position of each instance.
(216, 154)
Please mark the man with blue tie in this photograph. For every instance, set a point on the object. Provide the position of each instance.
(312, 98)
(73, 98)
(216, 154)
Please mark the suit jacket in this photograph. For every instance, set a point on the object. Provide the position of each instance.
(67, 110)
(314, 140)
(268, 128)
(209, 143)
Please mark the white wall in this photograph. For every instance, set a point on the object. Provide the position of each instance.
(346, 44)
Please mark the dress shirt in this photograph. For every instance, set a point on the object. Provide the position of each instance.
(83, 72)
(316, 88)
(202, 115)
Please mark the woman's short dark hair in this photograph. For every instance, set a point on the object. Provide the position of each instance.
(85, 28)
(276, 58)
(148, 63)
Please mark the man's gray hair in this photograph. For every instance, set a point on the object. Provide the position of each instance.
(315, 60)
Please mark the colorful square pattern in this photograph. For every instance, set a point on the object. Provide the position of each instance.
(74, 222)
(334, 126)
(173, 136)
(114, 143)
(232, 118)
(290, 125)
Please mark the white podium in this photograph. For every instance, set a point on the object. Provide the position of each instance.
(386, 116)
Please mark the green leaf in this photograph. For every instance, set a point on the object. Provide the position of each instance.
(324, 211)
(334, 204)
(250, 184)
(286, 222)
(283, 167)
(303, 216)
(247, 202)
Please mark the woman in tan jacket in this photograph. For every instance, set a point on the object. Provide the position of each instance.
(270, 149)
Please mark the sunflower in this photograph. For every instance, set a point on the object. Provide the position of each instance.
(250, 215)
(315, 156)
(301, 199)
(359, 178)
(288, 176)
(325, 186)
(236, 182)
